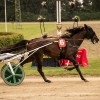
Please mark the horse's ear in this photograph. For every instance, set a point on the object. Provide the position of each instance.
(85, 26)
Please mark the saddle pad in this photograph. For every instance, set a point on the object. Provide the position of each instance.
(62, 43)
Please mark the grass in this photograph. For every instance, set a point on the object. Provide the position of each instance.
(92, 69)
(29, 30)
(32, 30)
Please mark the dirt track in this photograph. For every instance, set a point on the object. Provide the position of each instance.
(61, 88)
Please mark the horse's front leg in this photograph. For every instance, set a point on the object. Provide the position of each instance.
(72, 59)
(39, 68)
(69, 69)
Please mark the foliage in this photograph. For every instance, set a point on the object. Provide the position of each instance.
(8, 38)
(87, 6)
(31, 9)
(96, 5)
(28, 16)
(89, 16)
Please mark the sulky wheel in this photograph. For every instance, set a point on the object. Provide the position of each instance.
(11, 79)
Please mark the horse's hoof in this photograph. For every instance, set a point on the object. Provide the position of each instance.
(48, 81)
(68, 69)
(86, 81)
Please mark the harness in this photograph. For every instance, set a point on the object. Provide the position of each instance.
(63, 45)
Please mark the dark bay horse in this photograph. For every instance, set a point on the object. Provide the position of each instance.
(69, 52)
(77, 35)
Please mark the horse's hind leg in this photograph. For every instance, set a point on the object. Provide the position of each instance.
(39, 68)
(72, 59)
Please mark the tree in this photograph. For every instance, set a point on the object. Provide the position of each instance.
(2, 10)
(30, 9)
(51, 7)
(87, 5)
(74, 8)
(78, 6)
(96, 5)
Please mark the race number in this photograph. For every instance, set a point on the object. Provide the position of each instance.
(62, 43)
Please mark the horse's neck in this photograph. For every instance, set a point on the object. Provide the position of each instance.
(78, 38)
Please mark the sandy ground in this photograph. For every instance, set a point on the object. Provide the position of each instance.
(61, 88)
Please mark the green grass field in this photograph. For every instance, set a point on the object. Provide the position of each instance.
(92, 69)
(29, 30)
(32, 30)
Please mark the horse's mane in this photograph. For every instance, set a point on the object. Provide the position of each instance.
(75, 30)
(71, 32)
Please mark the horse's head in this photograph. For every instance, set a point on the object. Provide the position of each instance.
(91, 34)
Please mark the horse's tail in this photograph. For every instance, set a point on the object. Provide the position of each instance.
(18, 46)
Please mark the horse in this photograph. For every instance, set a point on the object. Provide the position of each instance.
(69, 52)
(77, 35)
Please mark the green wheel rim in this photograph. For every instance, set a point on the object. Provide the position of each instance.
(11, 79)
